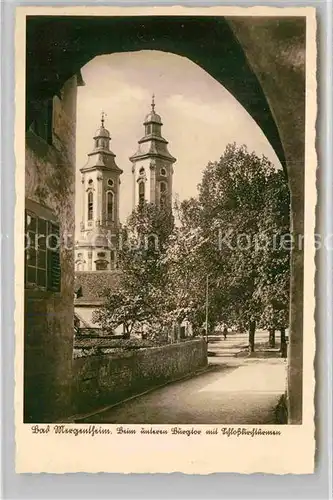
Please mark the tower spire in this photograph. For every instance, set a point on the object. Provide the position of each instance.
(103, 115)
(152, 164)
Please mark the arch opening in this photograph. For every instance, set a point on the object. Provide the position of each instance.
(46, 77)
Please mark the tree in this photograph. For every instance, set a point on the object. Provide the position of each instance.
(242, 204)
(185, 274)
(122, 307)
(232, 195)
(241, 200)
(139, 302)
(273, 286)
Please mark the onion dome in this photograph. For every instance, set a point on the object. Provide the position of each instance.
(101, 131)
(152, 144)
(153, 117)
(101, 156)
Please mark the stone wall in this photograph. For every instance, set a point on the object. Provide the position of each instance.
(103, 380)
(48, 335)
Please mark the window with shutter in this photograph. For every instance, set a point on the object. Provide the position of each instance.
(54, 269)
(42, 251)
(30, 250)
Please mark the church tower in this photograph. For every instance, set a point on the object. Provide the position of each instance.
(152, 165)
(99, 226)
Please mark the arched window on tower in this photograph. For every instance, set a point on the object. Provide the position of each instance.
(148, 129)
(163, 193)
(110, 206)
(141, 192)
(90, 205)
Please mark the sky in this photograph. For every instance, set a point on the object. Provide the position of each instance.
(200, 117)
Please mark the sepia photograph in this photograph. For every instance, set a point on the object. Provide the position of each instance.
(164, 222)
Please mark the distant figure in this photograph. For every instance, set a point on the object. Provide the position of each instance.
(225, 333)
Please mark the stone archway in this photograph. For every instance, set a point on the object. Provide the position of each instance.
(259, 60)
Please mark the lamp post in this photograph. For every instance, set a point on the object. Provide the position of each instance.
(207, 308)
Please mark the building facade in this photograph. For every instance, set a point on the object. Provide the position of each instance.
(49, 276)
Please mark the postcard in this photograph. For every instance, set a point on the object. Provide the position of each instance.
(165, 239)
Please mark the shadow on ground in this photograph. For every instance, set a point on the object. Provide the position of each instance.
(237, 392)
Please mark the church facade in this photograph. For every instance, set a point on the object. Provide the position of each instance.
(96, 248)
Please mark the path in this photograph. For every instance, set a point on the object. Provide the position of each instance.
(232, 391)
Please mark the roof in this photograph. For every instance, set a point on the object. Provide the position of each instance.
(153, 117)
(152, 146)
(102, 132)
(90, 285)
(102, 158)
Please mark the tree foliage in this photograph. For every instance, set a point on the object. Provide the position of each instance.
(138, 303)
(234, 231)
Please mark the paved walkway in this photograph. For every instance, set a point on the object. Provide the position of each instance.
(235, 343)
(232, 391)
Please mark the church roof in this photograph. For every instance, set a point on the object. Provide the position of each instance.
(102, 132)
(90, 285)
(153, 118)
(151, 146)
(103, 159)
(101, 156)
